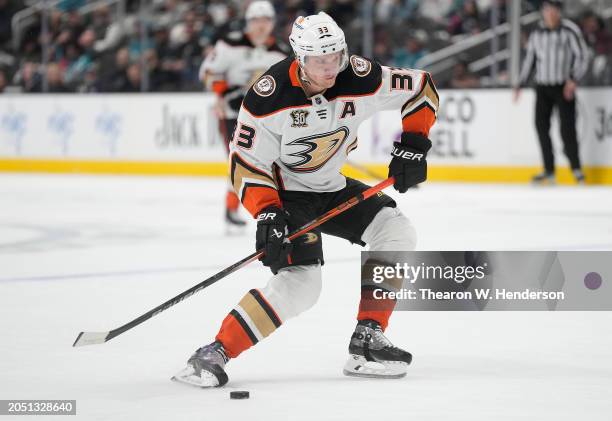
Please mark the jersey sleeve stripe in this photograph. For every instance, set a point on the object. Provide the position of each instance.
(219, 87)
(428, 91)
(255, 188)
(237, 159)
(256, 197)
(273, 112)
(419, 113)
(420, 120)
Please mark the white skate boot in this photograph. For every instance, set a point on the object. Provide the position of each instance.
(205, 368)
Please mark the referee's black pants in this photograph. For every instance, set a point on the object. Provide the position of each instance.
(546, 99)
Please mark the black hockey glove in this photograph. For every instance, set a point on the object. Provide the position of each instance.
(272, 233)
(408, 165)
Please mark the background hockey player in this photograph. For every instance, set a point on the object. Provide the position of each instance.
(296, 126)
(230, 69)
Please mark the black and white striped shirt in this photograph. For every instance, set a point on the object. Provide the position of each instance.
(557, 54)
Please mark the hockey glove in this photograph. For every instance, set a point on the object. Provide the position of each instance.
(271, 236)
(408, 165)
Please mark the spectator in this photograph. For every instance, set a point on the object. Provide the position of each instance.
(28, 77)
(109, 33)
(462, 77)
(171, 12)
(73, 27)
(136, 45)
(343, 11)
(159, 79)
(55, 79)
(77, 68)
(100, 21)
(595, 33)
(70, 5)
(467, 20)
(384, 9)
(132, 80)
(435, 9)
(89, 83)
(407, 56)
(502, 12)
(407, 10)
(188, 49)
(599, 41)
(114, 77)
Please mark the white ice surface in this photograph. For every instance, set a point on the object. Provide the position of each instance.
(91, 253)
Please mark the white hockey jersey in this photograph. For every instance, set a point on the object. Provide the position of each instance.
(284, 140)
(234, 64)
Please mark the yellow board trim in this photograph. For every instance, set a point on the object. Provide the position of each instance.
(479, 174)
(212, 169)
(489, 174)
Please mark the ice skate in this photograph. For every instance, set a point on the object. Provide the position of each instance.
(205, 368)
(579, 177)
(543, 179)
(373, 355)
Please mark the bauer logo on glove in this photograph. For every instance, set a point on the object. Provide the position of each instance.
(272, 236)
(406, 154)
(408, 165)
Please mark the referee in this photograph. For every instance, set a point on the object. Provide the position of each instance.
(558, 53)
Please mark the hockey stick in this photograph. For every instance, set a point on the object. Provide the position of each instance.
(370, 173)
(94, 338)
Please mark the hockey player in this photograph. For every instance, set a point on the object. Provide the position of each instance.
(296, 126)
(231, 68)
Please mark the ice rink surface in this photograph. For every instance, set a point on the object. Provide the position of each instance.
(91, 253)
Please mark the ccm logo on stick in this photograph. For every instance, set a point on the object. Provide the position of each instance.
(407, 155)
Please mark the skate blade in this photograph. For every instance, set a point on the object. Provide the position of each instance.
(544, 183)
(358, 366)
(188, 376)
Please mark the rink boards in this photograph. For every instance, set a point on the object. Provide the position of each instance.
(481, 136)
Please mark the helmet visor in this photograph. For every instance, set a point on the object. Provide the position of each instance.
(325, 66)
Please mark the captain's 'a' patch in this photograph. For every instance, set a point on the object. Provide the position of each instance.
(361, 66)
(265, 86)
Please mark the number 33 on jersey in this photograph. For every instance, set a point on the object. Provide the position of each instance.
(284, 140)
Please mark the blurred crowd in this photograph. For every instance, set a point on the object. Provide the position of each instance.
(91, 48)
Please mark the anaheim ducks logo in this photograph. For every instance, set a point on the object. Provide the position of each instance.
(361, 66)
(318, 149)
(265, 86)
(310, 238)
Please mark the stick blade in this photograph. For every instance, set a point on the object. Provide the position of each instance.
(91, 338)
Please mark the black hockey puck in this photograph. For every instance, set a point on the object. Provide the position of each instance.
(239, 394)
